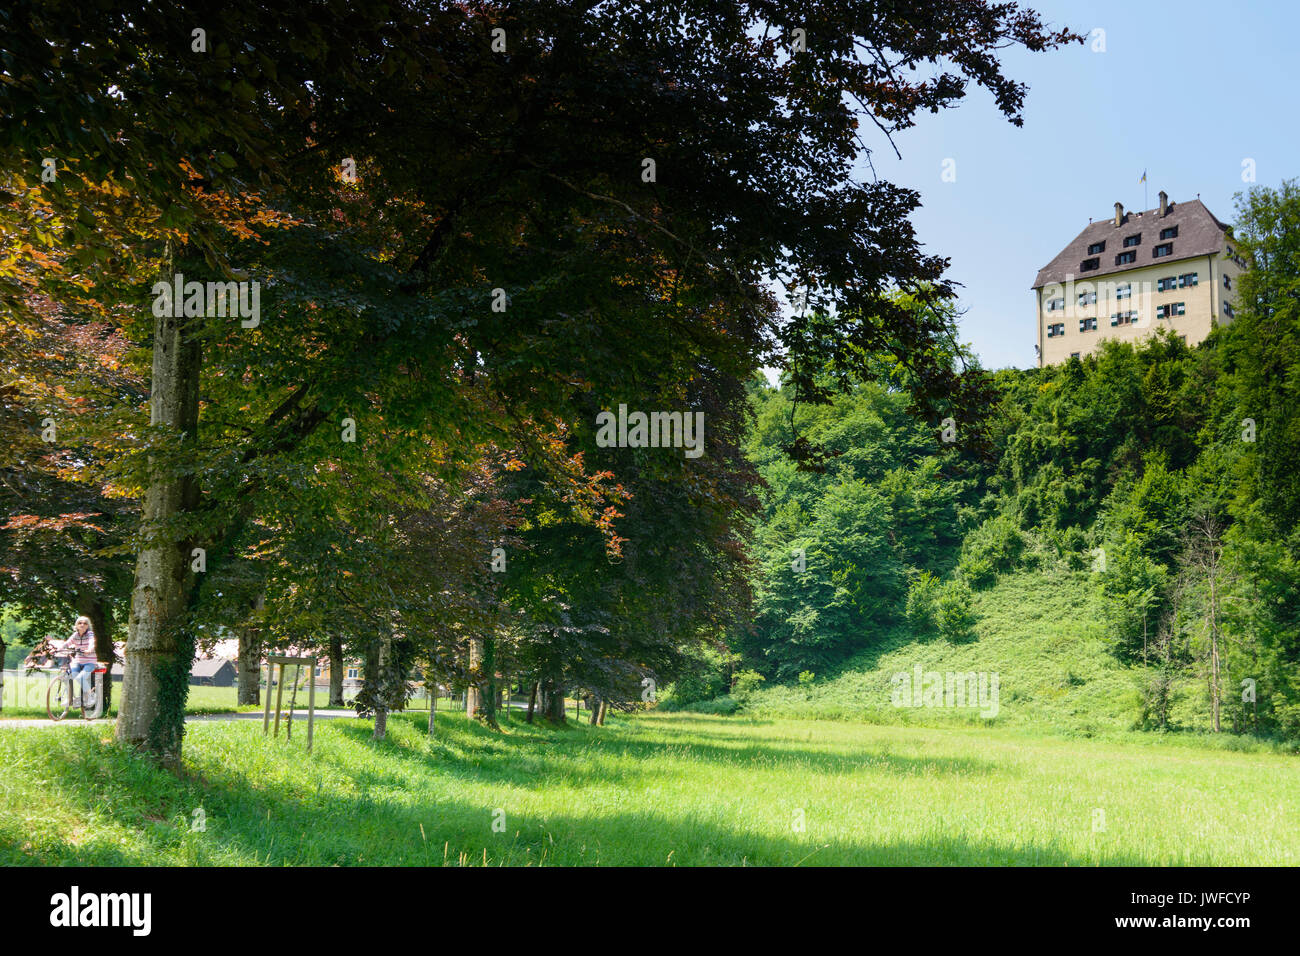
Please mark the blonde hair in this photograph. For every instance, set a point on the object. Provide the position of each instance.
(80, 619)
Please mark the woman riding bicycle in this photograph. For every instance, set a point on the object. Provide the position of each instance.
(82, 646)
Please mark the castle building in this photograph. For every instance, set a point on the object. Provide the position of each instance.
(1175, 267)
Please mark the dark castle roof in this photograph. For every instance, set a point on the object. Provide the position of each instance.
(1199, 234)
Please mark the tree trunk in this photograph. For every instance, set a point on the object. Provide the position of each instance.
(431, 686)
(473, 697)
(553, 701)
(532, 702)
(596, 704)
(488, 687)
(336, 670)
(377, 664)
(604, 706)
(89, 605)
(1214, 644)
(2, 673)
(151, 714)
(250, 658)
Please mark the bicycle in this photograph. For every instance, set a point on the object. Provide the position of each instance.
(61, 695)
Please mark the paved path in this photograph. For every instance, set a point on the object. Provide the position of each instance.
(299, 717)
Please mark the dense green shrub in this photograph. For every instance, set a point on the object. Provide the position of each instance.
(746, 683)
(921, 596)
(953, 613)
(996, 545)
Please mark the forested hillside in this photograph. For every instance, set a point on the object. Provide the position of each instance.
(1144, 500)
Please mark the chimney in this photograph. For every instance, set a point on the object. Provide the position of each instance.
(1164, 202)
(1119, 214)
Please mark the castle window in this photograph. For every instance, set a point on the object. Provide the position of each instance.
(1124, 258)
(1130, 241)
(1169, 233)
(1055, 305)
(1087, 325)
(1227, 281)
(1179, 308)
(1165, 250)
(1088, 265)
(1055, 329)
(1087, 298)
(1166, 284)
(1227, 310)
(1124, 291)
(1097, 247)
(1187, 280)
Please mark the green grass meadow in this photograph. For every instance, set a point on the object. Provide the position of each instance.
(653, 789)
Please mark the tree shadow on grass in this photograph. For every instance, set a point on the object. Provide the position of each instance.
(260, 821)
(271, 826)
(610, 759)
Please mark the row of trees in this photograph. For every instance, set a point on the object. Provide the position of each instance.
(472, 227)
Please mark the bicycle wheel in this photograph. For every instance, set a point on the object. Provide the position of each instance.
(58, 697)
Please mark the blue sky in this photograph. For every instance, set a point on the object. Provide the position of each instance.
(1185, 90)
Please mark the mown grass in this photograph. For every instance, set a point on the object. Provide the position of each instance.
(1041, 631)
(649, 790)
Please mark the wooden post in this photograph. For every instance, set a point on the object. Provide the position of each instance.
(270, 672)
(279, 701)
(311, 705)
(298, 663)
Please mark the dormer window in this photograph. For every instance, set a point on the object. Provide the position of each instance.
(1098, 247)
(1164, 250)
(1134, 240)
(1088, 265)
(1169, 233)
(1124, 258)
